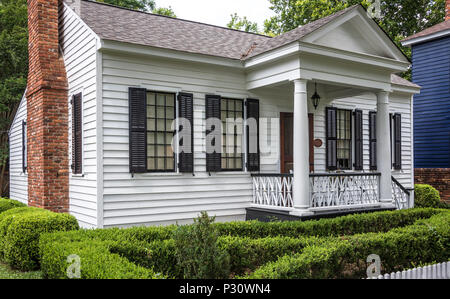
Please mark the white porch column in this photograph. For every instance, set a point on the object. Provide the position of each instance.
(301, 149)
(384, 147)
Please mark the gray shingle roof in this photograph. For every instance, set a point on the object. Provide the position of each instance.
(118, 24)
(434, 29)
(130, 26)
(298, 33)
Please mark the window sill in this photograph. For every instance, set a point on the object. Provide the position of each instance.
(157, 174)
(78, 176)
(223, 173)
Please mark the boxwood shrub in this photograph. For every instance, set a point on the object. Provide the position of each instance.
(135, 252)
(426, 196)
(246, 254)
(96, 259)
(7, 204)
(426, 241)
(20, 229)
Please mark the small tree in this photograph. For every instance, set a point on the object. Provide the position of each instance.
(197, 251)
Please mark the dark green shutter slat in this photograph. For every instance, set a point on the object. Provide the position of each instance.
(253, 159)
(331, 138)
(138, 129)
(186, 111)
(398, 141)
(358, 140)
(77, 134)
(373, 140)
(213, 160)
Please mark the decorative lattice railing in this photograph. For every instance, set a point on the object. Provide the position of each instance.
(273, 190)
(400, 195)
(339, 190)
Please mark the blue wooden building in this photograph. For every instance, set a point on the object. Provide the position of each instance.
(431, 70)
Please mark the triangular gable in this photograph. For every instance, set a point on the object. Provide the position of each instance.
(356, 32)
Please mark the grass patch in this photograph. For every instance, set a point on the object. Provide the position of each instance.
(7, 273)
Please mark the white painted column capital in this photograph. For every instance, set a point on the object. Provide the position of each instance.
(301, 194)
(384, 147)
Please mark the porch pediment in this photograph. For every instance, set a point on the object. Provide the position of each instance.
(356, 32)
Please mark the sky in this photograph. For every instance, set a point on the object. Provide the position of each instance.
(217, 12)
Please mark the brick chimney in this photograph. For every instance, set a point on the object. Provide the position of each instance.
(447, 10)
(47, 105)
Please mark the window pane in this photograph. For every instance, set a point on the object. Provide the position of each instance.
(170, 113)
(170, 164)
(151, 151)
(161, 100)
(151, 164)
(151, 124)
(170, 100)
(161, 112)
(151, 98)
(160, 138)
(160, 164)
(151, 111)
(161, 125)
(150, 138)
(160, 151)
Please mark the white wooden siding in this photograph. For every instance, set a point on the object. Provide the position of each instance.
(18, 180)
(79, 46)
(153, 199)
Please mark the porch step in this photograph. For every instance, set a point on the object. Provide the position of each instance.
(267, 215)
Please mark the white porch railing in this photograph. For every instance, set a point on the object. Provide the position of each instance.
(400, 195)
(344, 190)
(330, 190)
(273, 190)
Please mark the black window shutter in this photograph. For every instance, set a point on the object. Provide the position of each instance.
(373, 140)
(253, 159)
(24, 146)
(331, 138)
(138, 129)
(358, 114)
(397, 141)
(77, 142)
(213, 160)
(186, 111)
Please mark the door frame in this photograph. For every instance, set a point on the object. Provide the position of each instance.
(283, 159)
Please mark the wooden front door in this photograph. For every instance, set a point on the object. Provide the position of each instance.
(287, 141)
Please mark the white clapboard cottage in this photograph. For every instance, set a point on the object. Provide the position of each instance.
(334, 121)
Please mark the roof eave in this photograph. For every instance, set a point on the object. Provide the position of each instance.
(426, 38)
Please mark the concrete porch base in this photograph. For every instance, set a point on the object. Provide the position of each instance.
(268, 215)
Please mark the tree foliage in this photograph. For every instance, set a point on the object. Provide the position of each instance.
(399, 18)
(142, 5)
(13, 73)
(168, 12)
(242, 23)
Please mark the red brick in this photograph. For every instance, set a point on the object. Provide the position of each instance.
(439, 178)
(47, 104)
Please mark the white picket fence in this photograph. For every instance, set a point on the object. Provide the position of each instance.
(438, 271)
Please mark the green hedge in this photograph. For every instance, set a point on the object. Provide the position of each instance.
(96, 260)
(20, 229)
(426, 196)
(246, 254)
(346, 225)
(153, 248)
(426, 241)
(7, 204)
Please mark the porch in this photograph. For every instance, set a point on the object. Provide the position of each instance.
(329, 193)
